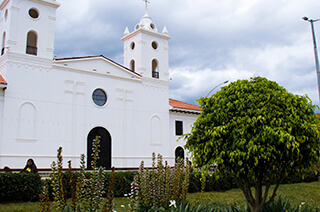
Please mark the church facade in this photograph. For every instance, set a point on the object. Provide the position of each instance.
(47, 102)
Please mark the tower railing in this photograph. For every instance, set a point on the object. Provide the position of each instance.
(155, 74)
(32, 50)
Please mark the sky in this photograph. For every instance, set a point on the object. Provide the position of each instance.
(211, 40)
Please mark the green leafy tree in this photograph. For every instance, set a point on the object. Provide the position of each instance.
(259, 131)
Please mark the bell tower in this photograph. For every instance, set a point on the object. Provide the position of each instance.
(146, 50)
(27, 27)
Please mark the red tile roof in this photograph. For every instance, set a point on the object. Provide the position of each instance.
(2, 81)
(183, 105)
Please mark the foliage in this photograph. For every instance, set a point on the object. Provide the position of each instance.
(109, 205)
(44, 198)
(226, 181)
(186, 207)
(279, 205)
(257, 130)
(20, 187)
(92, 188)
(122, 183)
(58, 185)
(153, 190)
(307, 193)
(85, 192)
(9, 186)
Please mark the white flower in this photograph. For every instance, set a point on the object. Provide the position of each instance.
(302, 203)
(172, 203)
(125, 195)
(122, 206)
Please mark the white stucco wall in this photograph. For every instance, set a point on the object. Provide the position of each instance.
(48, 108)
(187, 119)
(48, 103)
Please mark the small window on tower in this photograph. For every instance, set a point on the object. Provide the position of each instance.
(154, 45)
(6, 15)
(33, 13)
(32, 43)
(179, 128)
(132, 65)
(3, 43)
(132, 45)
(155, 69)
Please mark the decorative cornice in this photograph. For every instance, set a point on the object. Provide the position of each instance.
(155, 84)
(29, 65)
(52, 17)
(187, 111)
(155, 34)
(51, 3)
(15, 8)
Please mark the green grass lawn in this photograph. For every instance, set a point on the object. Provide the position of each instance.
(295, 193)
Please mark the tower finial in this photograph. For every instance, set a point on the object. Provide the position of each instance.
(146, 2)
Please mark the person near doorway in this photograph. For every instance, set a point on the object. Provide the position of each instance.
(7, 169)
(30, 167)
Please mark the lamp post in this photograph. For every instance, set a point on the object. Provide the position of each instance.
(217, 86)
(315, 49)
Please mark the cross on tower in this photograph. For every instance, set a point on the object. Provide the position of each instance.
(146, 2)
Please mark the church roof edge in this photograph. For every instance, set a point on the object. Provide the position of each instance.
(2, 81)
(3, 4)
(52, 3)
(96, 56)
(183, 106)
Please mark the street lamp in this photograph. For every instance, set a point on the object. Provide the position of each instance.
(217, 86)
(315, 49)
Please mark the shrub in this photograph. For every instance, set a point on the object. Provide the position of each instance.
(122, 184)
(20, 187)
(153, 190)
(226, 180)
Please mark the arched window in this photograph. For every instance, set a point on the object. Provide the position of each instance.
(3, 43)
(27, 121)
(155, 69)
(32, 43)
(132, 65)
(155, 130)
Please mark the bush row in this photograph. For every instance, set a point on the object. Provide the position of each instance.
(227, 180)
(27, 187)
(19, 187)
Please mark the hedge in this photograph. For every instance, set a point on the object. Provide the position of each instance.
(227, 180)
(20, 187)
(27, 187)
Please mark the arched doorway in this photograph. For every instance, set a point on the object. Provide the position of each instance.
(105, 148)
(179, 153)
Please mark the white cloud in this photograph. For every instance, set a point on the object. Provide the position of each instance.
(212, 41)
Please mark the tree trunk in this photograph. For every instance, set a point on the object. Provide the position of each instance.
(255, 208)
(258, 203)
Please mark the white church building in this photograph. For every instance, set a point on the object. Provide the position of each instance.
(47, 102)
